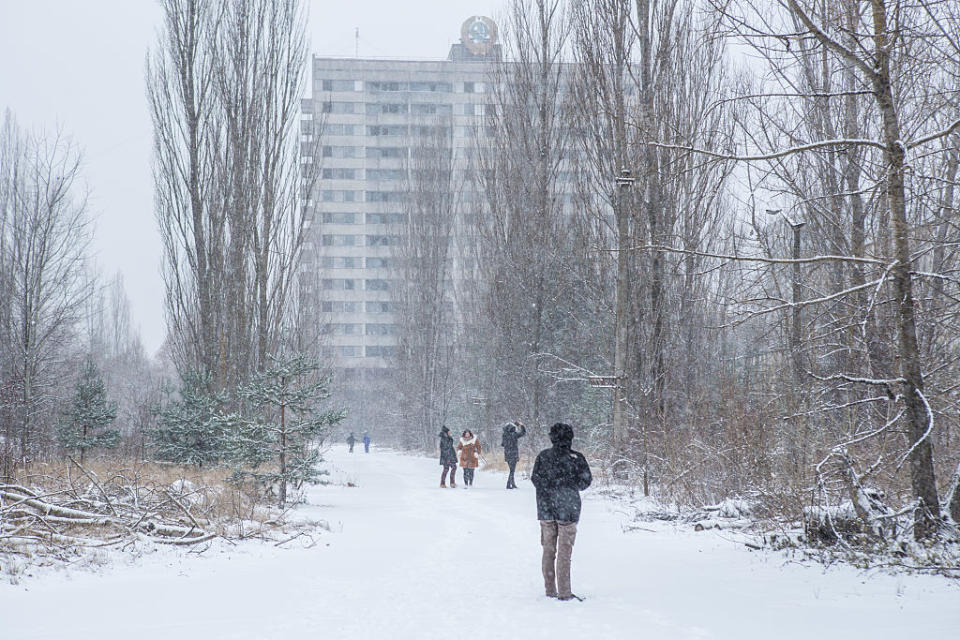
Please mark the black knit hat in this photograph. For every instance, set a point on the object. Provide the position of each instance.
(561, 433)
(444, 429)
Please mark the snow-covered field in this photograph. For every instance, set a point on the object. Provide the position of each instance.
(408, 560)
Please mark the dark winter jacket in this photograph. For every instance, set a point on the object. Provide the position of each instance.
(511, 452)
(448, 455)
(560, 474)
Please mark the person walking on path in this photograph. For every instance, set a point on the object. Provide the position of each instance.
(470, 450)
(366, 442)
(559, 475)
(351, 441)
(448, 458)
(511, 451)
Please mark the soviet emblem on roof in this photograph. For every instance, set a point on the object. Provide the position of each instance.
(479, 34)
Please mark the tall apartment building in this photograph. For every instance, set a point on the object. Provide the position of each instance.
(361, 124)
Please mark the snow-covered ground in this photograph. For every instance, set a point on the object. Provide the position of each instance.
(407, 560)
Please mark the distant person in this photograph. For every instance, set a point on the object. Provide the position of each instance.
(366, 442)
(351, 441)
(559, 475)
(470, 451)
(448, 458)
(512, 432)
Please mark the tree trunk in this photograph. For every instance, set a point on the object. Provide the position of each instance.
(283, 446)
(919, 418)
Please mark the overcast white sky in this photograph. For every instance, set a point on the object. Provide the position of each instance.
(79, 64)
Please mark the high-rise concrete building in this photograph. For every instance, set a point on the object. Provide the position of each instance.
(361, 125)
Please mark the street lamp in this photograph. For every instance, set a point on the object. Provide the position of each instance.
(624, 181)
(796, 295)
(603, 382)
(485, 403)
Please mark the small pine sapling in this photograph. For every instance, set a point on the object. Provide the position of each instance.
(279, 446)
(89, 416)
(191, 430)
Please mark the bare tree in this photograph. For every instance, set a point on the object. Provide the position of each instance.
(180, 88)
(46, 234)
(526, 254)
(425, 302)
(649, 71)
(225, 85)
(874, 67)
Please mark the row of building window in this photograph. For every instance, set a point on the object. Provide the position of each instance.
(356, 351)
(349, 195)
(333, 151)
(358, 240)
(351, 284)
(344, 173)
(380, 85)
(334, 217)
(403, 108)
(338, 173)
(422, 130)
(385, 152)
(355, 262)
(431, 87)
(358, 329)
(390, 197)
(353, 306)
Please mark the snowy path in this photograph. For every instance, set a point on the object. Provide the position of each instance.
(409, 560)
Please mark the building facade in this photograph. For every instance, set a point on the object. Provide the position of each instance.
(362, 126)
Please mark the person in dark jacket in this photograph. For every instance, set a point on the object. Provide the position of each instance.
(512, 432)
(351, 441)
(448, 458)
(559, 475)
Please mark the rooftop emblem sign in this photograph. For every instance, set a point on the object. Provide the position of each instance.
(479, 34)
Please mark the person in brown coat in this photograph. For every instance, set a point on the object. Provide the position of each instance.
(470, 450)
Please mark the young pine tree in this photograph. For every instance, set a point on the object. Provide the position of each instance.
(190, 429)
(278, 447)
(89, 416)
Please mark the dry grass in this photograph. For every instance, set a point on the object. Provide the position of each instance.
(498, 464)
(65, 512)
(207, 489)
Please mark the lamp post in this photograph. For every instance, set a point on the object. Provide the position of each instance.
(796, 295)
(624, 181)
(485, 403)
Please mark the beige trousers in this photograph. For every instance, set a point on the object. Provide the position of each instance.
(557, 539)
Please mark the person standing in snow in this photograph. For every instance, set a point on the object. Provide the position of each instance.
(351, 441)
(470, 450)
(511, 450)
(559, 475)
(366, 442)
(448, 458)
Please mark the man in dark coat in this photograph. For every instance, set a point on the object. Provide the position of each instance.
(448, 458)
(559, 475)
(511, 451)
(351, 441)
